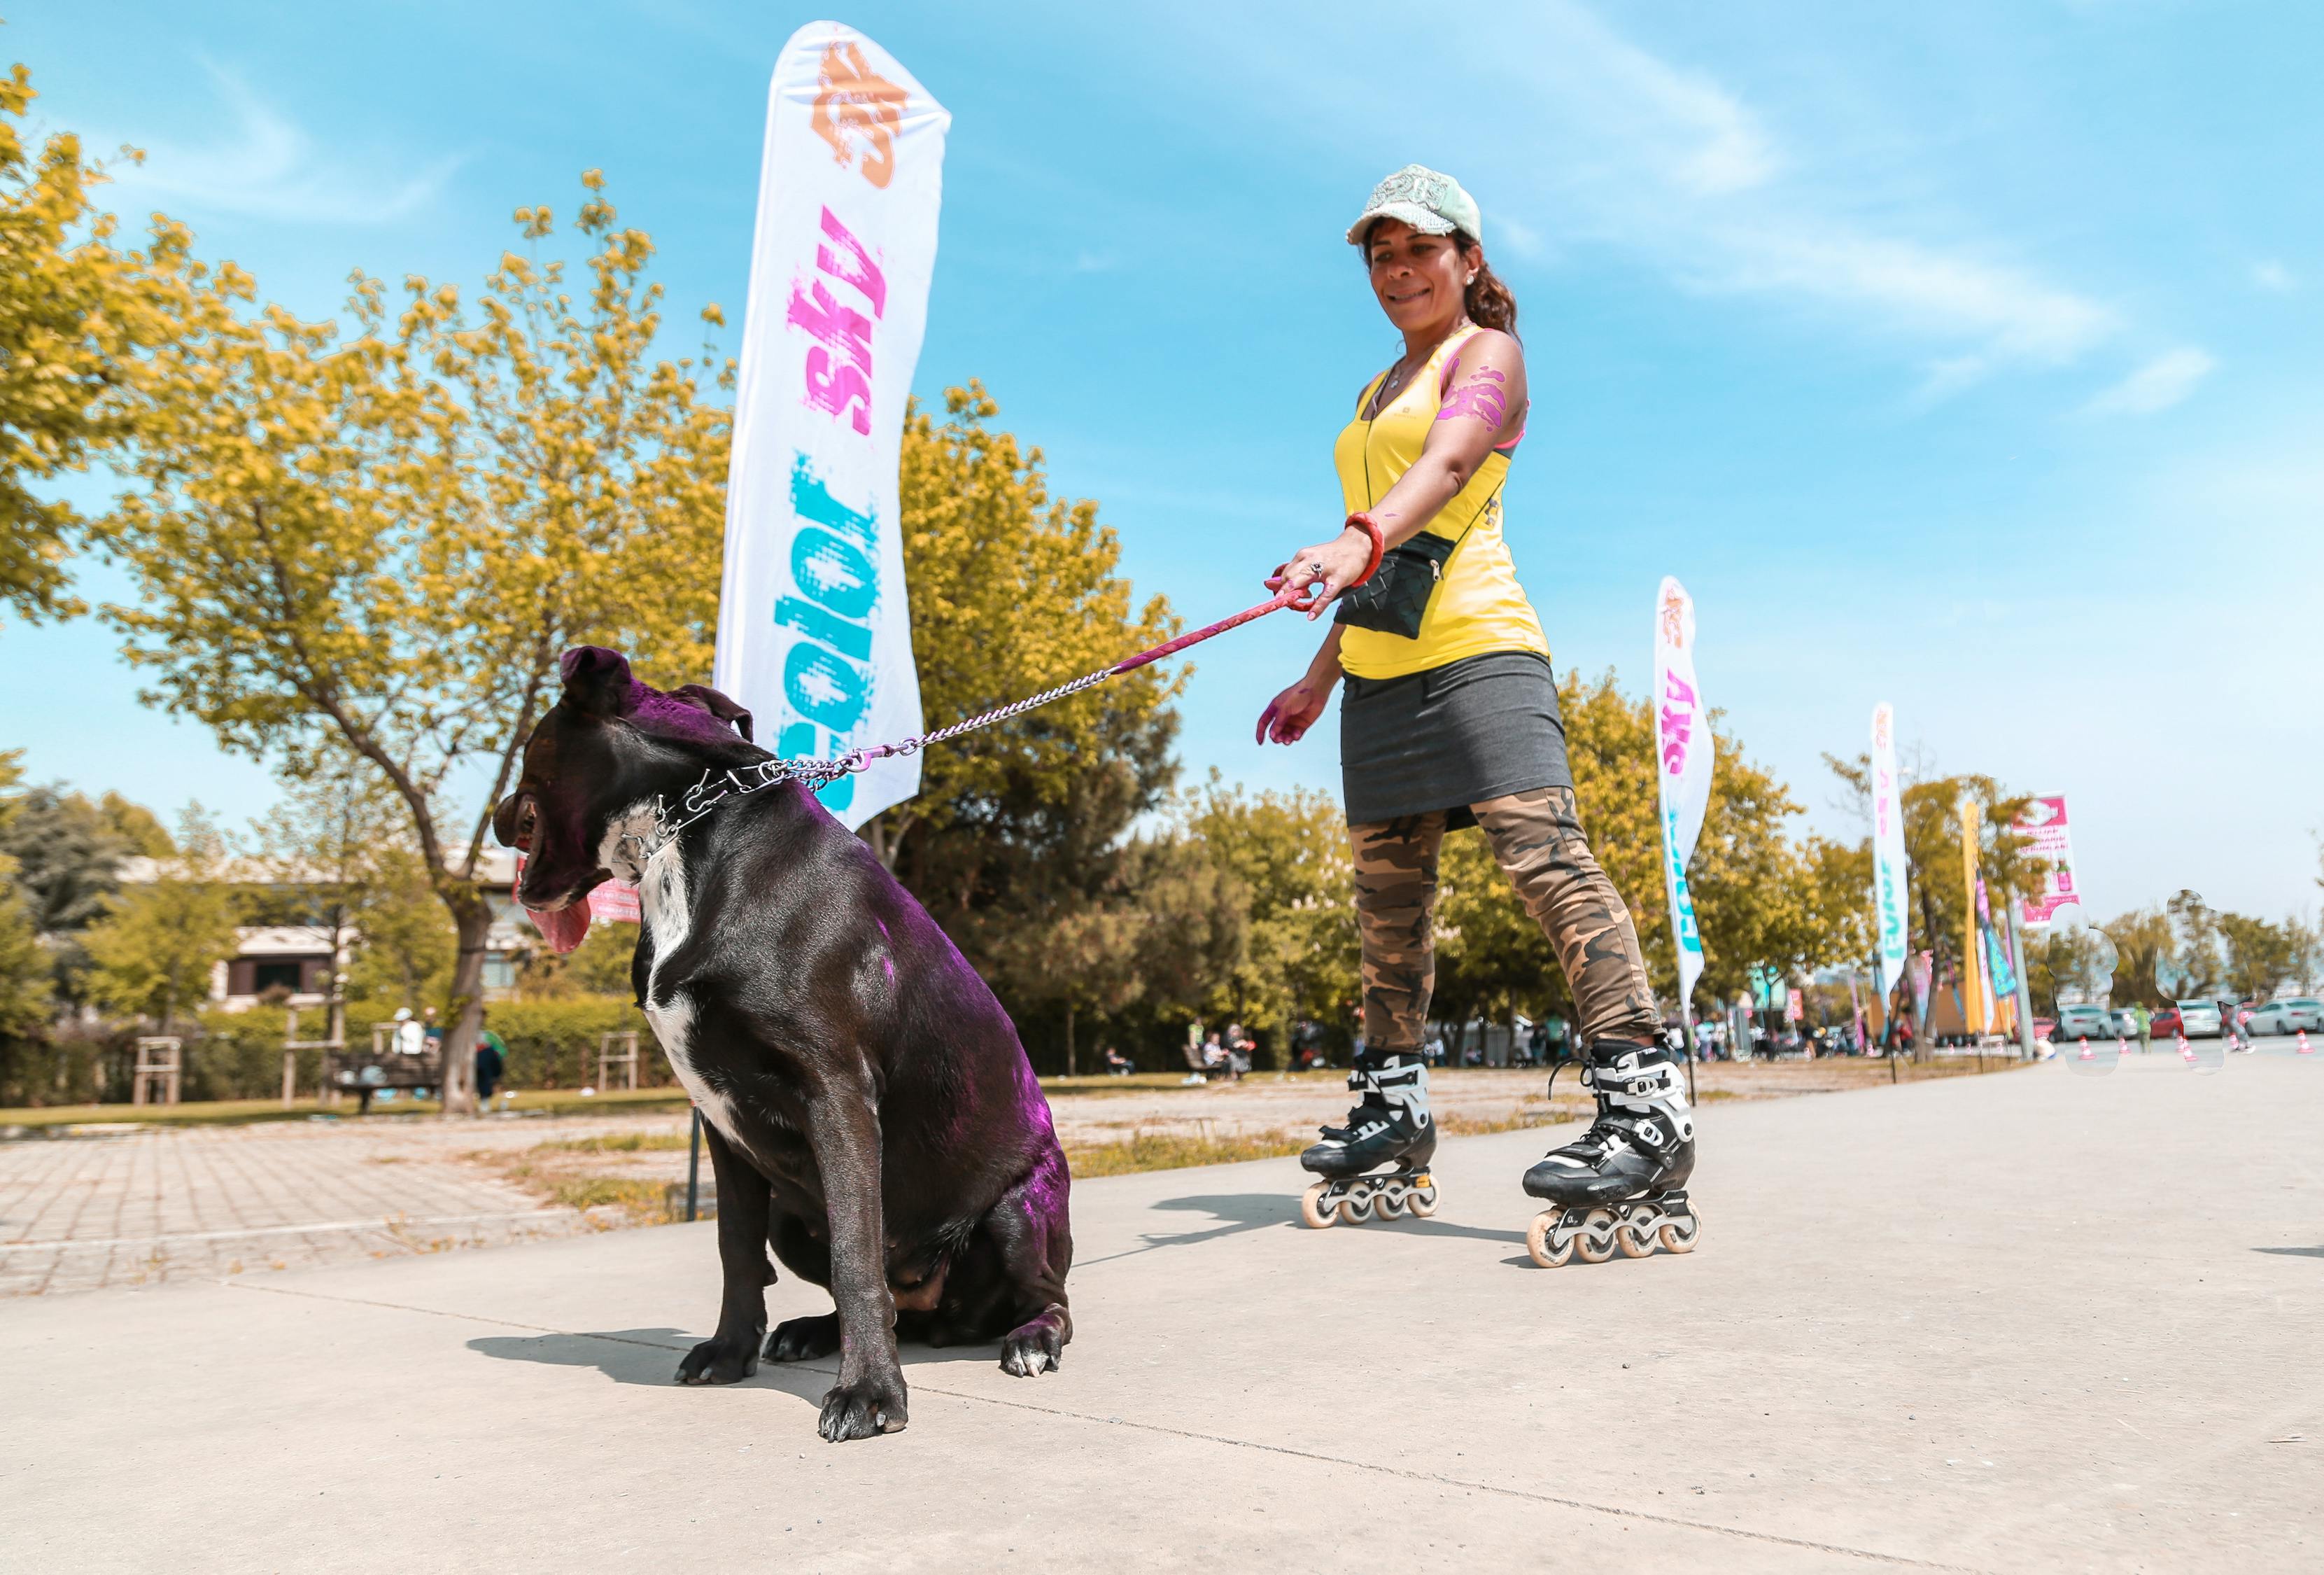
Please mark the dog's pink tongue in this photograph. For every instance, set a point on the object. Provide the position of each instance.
(565, 927)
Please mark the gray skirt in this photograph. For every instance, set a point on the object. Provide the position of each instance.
(1451, 736)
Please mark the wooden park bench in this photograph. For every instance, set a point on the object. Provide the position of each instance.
(365, 1072)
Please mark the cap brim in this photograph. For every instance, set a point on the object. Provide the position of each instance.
(1426, 222)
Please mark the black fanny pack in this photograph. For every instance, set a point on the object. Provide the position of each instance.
(1396, 597)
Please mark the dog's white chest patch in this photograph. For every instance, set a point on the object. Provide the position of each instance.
(668, 918)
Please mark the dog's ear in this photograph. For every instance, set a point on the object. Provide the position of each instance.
(597, 682)
(703, 698)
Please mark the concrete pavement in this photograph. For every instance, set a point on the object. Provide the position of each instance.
(2024, 1321)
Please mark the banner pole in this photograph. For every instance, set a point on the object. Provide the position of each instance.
(2024, 995)
(693, 1165)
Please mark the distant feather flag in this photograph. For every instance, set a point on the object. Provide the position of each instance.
(1888, 879)
(814, 633)
(1683, 769)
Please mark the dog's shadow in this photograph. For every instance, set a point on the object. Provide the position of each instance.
(650, 1357)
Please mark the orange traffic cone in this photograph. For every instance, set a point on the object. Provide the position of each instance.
(2305, 1049)
(2086, 1048)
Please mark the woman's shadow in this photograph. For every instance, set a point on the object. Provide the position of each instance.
(1238, 1212)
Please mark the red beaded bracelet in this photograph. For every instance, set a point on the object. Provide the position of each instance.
(1364, 523)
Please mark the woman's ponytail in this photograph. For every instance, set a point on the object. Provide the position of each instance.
(1488, 301)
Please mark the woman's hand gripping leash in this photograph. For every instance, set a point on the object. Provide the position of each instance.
(1325, 570)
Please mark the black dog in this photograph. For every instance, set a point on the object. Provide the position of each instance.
(869, 1110)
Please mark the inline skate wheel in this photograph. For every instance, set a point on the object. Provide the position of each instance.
(1423, 1202)
(1636, 1235)
(1356, 1207)
(1313, 1211)
(1599, 1232)
(1678, 1236)
(1539, 1241)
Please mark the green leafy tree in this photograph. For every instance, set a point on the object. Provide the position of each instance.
(1016, 841)
(599, 966)
(2260, 956)
(26, 982)
(376, 543)
(153, 951)
(75, 308)
(1289, 854)
(2140, 937)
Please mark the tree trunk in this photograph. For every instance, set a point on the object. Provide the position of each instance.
(1069, 1039)
(473, 920)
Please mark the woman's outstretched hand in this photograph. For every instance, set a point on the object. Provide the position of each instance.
(1290, 714)
(1338, 563)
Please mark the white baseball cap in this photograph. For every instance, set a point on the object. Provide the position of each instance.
(1429, 200)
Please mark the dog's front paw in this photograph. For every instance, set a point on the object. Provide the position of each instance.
(720, 1361)
(1033, 1348)
(803, 1339)
(864, 1408)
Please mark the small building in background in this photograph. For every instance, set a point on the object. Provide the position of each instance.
(296, 958)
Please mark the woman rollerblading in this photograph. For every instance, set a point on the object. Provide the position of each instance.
(1389, 1127)
(1451, 720)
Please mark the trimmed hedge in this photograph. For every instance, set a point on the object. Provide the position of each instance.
(238, 1055)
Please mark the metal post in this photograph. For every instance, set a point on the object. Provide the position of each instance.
(693, 1166)
(2024, 994)
(1686, 1046)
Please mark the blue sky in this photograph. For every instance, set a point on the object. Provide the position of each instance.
(1967, 356)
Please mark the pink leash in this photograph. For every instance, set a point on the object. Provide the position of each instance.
(1298, 598)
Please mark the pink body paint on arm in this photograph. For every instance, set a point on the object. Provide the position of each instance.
(1481, 398)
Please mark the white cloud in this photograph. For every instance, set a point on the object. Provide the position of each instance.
(1613, 145)
(2270, 275)
(1703, 138)
(267, 167)
(2158, 386)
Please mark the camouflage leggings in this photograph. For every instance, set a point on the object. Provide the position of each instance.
(1536, 838)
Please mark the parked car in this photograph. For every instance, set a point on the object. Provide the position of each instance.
(2198, 1019)
(2083, 1022)
(2125, 1022)
(2163, 1022)
(2045, 1028)
(2302, 1014)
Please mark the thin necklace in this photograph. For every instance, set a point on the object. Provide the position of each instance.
(1396, 373)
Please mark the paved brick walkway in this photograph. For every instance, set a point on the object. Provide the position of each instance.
(78, 1213)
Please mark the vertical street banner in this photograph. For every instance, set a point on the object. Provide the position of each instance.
(1976, 1018)
(1888, 878)
(2000, 968)
(815, 636)
(1683, 742)
(2043, 824)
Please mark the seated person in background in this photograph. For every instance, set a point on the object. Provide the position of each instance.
(1117, 1064)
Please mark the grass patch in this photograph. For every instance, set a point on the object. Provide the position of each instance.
(1161, 1150)
(648, 1199)
(1453, 1124)
(242, 1112)
(620, 1142)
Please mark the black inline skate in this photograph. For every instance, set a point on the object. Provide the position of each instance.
(1389, 1127)
(1621, 1185)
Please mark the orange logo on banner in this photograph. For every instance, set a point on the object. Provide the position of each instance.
(1673, 615)
(855, 103)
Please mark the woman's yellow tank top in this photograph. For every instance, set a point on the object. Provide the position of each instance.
(1478, 605)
